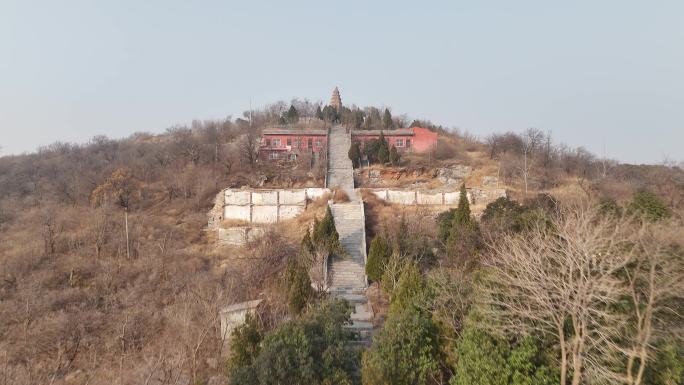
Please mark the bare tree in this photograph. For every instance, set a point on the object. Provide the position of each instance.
(531, 140)
(655, 281)
(249, 146)
(561, 280)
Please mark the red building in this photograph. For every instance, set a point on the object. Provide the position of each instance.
(413, 139)
(287, 144)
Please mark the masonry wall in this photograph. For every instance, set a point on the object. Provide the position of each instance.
(432, 197)
(261, 206)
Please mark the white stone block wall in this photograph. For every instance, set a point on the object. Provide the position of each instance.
(241, 213)
(401, 197)
(451, 198)
(292, 197)
(264, 214)
(289, 212)
(236, 197)
(239, 236)
(425, 198)
(315, 192)
(265, 197)
(382, 194)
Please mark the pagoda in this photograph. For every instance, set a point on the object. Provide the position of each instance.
(336, 100)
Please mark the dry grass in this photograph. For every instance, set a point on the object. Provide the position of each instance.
(340, 196)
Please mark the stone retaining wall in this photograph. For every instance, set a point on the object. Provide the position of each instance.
(433, 197)
(261, 206)
(239, 236)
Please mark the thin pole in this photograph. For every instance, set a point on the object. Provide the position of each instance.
(128, 247)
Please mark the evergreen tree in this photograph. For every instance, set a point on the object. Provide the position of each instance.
(444, 221)
(462, 214)
(394, 156)
(297, 285)
(244, 343)
(357, 119)
(383, 155)
(292, 115)
(325, 233)
(319, 112)
(405, 351)
(310, 349)
(307, 250)
(378, 255)
(387, 119)
(465, 238)
(354, 154)
(330, 114)
(484, 359)
(409, 291)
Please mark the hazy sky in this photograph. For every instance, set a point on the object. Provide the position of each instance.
(593, 72)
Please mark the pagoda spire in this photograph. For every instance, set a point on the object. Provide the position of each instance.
(336, 100)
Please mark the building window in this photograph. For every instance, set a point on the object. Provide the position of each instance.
(273, 155)
(289, 141)
(400, 142)
(268, 142)
(408, 143)
(276, 142)
(309, 143)
(318, 143)
(298, 142)
(293, 156)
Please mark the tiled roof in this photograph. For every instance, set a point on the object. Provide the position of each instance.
(278, 131)
(397, 132)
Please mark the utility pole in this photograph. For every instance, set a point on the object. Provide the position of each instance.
(128, 245)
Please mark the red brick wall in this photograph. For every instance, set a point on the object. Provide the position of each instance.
(424, 139)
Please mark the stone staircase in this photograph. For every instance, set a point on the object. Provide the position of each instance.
(347, 273)
(340, 171)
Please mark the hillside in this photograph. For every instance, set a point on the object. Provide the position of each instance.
(109, 275)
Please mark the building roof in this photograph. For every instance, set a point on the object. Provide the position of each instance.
(241, 306)
(398, 132)
(279, 131)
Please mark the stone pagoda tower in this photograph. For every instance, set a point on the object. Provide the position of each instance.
(336, 100)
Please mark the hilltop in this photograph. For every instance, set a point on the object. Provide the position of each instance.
(108, 273)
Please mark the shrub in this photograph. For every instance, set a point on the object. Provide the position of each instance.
(648, 206)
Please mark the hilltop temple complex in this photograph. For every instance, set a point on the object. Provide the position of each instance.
(288, 143)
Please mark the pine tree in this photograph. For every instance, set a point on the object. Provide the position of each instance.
(383, 155)
(325, 234)
(462, 215)
(299, 290)
(292, 115)
(244, 343)
(354, 154)
(378, 255)
(409, 290)
(387, 119)
(383, 149)
(307, 250)
(319, 112)
(465, 238)
(394, 156)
